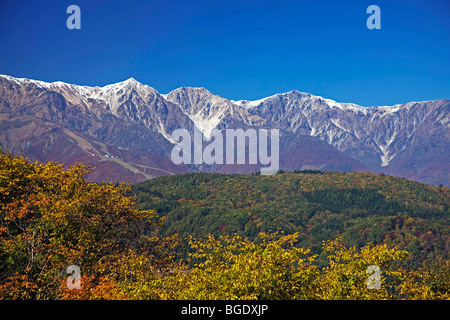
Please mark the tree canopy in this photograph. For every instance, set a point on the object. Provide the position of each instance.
(52, 218)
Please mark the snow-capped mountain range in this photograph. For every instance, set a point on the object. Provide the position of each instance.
(124, 129)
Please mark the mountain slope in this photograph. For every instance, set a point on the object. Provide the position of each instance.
(374, 135)
(62, 122)
(363, 207)
(209, 111)
(410, 140)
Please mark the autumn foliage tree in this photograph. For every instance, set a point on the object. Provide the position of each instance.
(232, 267)
(51, 217)
(345, 277)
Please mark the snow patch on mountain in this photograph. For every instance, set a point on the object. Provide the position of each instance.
(246, 104)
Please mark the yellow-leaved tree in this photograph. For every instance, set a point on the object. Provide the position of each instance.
(353, 274)
(232, 267)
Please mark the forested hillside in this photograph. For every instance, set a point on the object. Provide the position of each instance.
(52, 222)
(362, 207)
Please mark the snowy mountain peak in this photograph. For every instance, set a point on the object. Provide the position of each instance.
(130, 83)
(131, 80)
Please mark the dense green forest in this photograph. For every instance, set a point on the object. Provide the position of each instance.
(362, 207)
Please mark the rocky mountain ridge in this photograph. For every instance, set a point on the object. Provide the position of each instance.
(411, 140)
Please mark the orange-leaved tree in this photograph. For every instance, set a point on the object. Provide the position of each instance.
(51, 218)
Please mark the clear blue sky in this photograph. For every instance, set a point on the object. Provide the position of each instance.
(237, 49)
